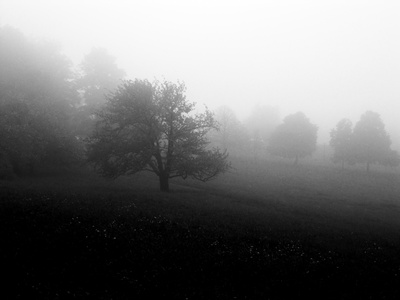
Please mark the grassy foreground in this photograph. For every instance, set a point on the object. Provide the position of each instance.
(265, 231)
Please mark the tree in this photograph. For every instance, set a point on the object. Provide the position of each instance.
(370, 140)
(232, 135)
(341, 141)
(100, 75)
(227, 121)
(296, 137)
(151, 127)
(37, 96)
(392, 159)
(260, 124)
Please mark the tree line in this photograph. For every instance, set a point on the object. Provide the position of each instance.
(367, 143)
(47, 108)
(52, 115)
(296, 137)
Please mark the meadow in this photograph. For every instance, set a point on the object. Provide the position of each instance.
(265, 230)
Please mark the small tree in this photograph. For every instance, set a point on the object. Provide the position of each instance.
(371, 142)
(341, 139)
(296, 137)
(151, 127)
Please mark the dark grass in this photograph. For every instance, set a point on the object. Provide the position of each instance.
(265, 231)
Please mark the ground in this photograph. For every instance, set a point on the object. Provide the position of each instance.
(266, 230)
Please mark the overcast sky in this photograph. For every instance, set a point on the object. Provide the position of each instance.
(329, 59)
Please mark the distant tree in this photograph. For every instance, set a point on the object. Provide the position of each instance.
(341, 141)
(392, 159)
(100, 75)
(227, 122)
(370, 140)
(295, 138)
(263, 120)
(260, 124)
(35, 70)
(37, 95)
(231, 135)
(151, 127)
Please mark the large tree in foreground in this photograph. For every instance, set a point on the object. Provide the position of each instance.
(151, 127)
(370, 141)
(296, 137)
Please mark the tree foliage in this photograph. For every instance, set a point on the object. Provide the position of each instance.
(151, 127)
(260, 124)
(99, 75)
(295, 138)
(392, 159)
(341, 142)
(37, 95)
(231, 134)
(370, 141)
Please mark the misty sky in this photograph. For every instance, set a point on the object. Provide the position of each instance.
(329, 59)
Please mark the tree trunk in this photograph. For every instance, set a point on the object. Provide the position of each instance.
(164, 183)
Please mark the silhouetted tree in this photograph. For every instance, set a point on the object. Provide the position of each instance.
(341, 141)
(370, 140)
(151, 127)
(296, 137)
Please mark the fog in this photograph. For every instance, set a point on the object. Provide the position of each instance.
(142, 197)
(329, 59)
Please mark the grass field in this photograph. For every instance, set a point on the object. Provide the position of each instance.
(266, 230)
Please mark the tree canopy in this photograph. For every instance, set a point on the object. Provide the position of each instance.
(151, 127)
(36, 102)
(341, 142)
(99, 75)
(367, 143)
(295, 138)
(260, 124)
(231, 135)
(370, 141)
